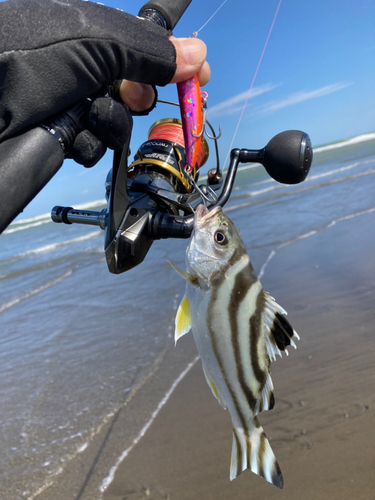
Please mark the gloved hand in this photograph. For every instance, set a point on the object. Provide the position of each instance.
(55, 53)
(89, 127)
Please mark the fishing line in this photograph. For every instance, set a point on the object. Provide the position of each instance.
(252, 83)
(195, 34)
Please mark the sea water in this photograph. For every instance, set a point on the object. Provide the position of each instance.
(75, 340)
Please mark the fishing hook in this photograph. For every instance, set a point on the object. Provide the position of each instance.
(207, 197)
(204, 97)
(213, 137)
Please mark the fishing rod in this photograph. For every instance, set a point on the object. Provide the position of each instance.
(156, 195)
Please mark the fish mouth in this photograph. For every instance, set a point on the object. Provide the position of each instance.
(202, 215)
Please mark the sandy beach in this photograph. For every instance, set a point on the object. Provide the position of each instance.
(322, 426)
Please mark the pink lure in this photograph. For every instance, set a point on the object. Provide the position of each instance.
(189, 96)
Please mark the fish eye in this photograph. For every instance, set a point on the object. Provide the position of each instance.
(221, 238)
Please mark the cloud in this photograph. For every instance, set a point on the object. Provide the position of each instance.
(301, 96)
(234, 104)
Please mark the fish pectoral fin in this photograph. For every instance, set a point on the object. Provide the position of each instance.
(214, 389)
(187, 276)
(183, 319)
(254, 452)
(280, 332)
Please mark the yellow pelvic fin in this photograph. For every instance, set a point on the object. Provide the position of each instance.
(183, 319)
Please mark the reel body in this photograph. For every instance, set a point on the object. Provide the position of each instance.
(156, 181)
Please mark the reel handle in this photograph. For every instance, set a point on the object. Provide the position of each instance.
(69, 215)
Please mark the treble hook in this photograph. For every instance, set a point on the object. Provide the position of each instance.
(214, 137)
(204, 97)
(209, 196)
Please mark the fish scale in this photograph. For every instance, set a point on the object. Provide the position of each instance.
(238, 328)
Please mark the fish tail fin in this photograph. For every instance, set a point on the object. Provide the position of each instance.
(254, 452)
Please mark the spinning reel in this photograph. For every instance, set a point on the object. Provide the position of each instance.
(154, 197)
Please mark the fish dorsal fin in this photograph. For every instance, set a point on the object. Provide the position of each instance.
(183, 319)
(266, 399)
(187, 276)
(280, 332)
(213, 388)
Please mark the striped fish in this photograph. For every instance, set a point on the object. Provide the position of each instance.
(238, 328)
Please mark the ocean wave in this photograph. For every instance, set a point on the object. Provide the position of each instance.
(37, 220)
(53, 246)
(13, 229)
(249, 201)
(33, 292)
(311, 233)
(309, 179)
(348, 142)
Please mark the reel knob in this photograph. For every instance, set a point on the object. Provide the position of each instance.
(288, 156)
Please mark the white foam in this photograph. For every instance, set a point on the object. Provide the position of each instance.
(82, 448)
(263, 268)
(107, 481)
(27, 295)
(53, 246)
(349, 142)
(27, 226)
(32, 219)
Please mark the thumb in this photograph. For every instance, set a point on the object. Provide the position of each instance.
(190, 59)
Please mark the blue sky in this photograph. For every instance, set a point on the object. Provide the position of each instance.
(317, 75)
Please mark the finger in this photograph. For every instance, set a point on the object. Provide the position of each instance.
(110, 121)
(191, 59)
(87, 149)
(137, 96)
(204, 74)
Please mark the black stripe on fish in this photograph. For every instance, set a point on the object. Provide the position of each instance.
(255, 330)
(210, 316)
(219, 277)
(260, 405)
(240, 289)
(277, 477)
(282, 331)
(271, 402)
(262, 454)
(239, 453)
(248, 451)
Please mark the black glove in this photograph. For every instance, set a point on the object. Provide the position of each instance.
(89, 127)
(55, 53)
(108, 124)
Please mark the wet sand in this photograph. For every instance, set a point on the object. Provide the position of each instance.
(322, 429)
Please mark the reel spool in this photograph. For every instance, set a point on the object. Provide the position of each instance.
(162, 156)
